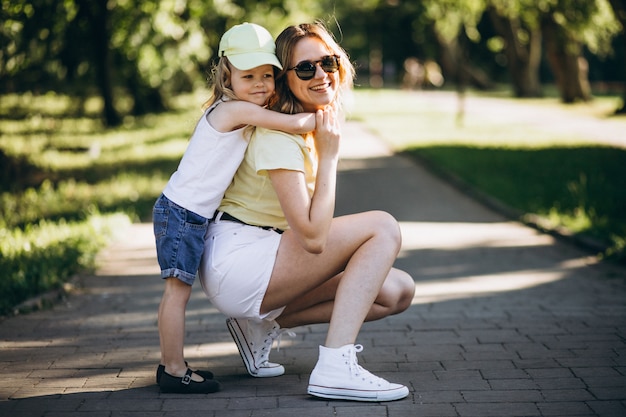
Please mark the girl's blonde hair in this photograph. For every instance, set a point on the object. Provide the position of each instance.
(220, 78)
(284, 100)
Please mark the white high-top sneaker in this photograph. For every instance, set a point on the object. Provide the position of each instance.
(338, 375)
(254, 340)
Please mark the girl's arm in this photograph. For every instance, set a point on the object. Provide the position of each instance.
(310, 217)
(234, 114)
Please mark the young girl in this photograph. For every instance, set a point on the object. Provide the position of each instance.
(244, 81)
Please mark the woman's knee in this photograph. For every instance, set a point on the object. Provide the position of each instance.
(397, 292)
(386, 226)
(406, 291)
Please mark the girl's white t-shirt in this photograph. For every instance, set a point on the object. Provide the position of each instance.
(207, 167)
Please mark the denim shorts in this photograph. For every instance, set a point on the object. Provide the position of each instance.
(179, 235)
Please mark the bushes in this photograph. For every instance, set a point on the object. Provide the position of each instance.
(63, 178)
(44, 256)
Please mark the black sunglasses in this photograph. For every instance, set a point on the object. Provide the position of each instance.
(305, 70)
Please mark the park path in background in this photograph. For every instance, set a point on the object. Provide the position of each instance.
(506, 321)
(568, 124)
(577, 123)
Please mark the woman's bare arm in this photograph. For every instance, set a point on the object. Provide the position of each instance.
(310, 217)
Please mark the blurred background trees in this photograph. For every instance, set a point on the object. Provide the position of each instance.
(135, 54)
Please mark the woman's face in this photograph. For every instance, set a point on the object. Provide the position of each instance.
(319, 91)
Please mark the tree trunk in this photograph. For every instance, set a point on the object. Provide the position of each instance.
(523, 60)
(98, 17)
(145, 98)
(447, 59)
(619, 9)
(568, 66)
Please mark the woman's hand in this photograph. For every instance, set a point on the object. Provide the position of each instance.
(327, 133)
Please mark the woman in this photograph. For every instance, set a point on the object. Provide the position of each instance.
(321, 269)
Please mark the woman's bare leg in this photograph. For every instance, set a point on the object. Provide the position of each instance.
(362, 246)
(317, 305)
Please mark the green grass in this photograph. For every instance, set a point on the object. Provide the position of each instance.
(62, 167)
(516, 152)
(44, 256)
(61, 172)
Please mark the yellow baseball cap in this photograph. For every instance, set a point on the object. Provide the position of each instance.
(249, 45)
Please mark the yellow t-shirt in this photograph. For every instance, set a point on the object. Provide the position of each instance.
(251, 197)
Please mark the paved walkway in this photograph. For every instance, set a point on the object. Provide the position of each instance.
(505, 322)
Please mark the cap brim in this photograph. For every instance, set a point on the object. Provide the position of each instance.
(253, 59)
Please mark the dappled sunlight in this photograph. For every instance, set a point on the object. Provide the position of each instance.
(476, 286)
(132, 254)
(429, 235)
(464, 272)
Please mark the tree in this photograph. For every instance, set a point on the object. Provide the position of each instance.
(619, 9)
(564, 54)
(96, 17)
(146, 50)
(517, 25)
(454, 26)
(31, 42)
(524, 27)
(568, 26)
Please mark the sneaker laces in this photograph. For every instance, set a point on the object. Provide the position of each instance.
(360, 372)
(273, 333)
(277, 335)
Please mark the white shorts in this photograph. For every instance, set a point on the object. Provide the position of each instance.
(236, 267)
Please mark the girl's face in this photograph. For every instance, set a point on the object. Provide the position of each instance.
(255, 85)
(319, 91)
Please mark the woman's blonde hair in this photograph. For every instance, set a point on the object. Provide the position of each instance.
(220, 79)
(284, 100)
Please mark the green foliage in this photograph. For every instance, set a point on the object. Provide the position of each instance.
(71, 166)
(137, 54)
(164, 45)
(74, 184)
(450, 16)
(45, 255)
(591, 23)
(132, 194)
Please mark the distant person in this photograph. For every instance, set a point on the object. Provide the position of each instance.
(243, 84)
(414, 74)
(276, 256)
(418, 75)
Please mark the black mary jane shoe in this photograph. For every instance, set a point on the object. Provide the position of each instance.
(203, 374)
(185, 385)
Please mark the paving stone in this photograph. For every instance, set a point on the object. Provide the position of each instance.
(572, 408)
(504, 396)
(500, 409)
